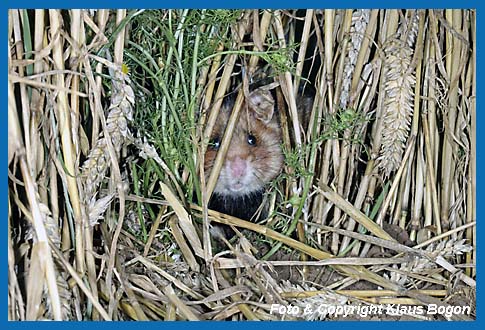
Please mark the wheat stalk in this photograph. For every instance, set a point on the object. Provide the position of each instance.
(96, 165)
(399, 84)
(360, 19)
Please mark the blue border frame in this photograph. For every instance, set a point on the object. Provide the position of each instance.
(246, 4)
(275, 4)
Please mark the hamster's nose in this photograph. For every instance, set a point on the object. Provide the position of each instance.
(238, 167)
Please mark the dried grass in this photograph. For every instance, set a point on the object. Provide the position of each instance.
(109, 121)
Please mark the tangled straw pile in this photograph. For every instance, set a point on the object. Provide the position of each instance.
(109, 116)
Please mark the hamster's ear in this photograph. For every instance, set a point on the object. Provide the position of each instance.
(261, 102)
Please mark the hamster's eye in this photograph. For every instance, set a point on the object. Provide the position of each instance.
(251, 140)
(215, 143)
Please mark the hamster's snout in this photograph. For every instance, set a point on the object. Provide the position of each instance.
(237, 167)
(236, 175)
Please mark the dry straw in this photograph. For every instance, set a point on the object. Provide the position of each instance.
(110, 114)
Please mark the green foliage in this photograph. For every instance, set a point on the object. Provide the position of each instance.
(344, 120)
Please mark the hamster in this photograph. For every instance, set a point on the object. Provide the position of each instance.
(253, 159)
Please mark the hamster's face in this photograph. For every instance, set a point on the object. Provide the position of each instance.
(254, 156)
